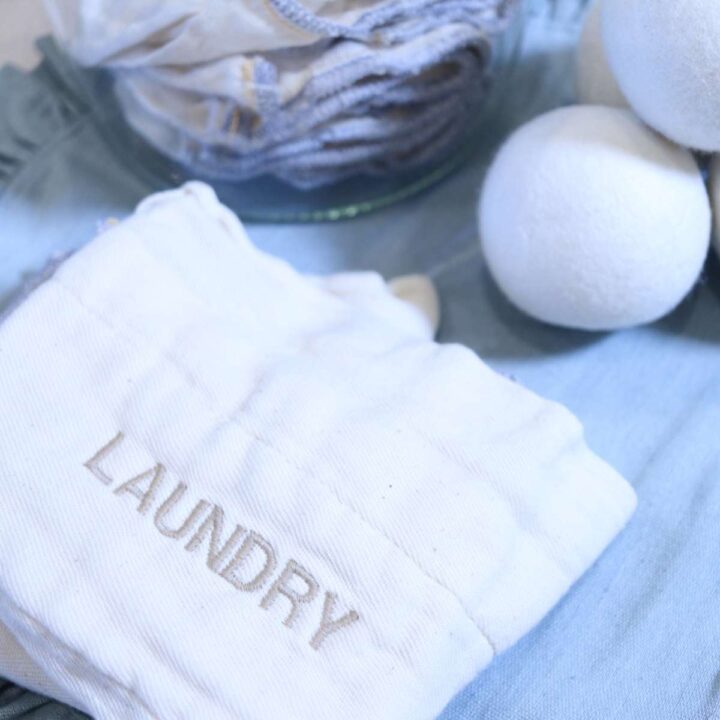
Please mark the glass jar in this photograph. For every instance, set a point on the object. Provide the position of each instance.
(113, 99)
(522, 84)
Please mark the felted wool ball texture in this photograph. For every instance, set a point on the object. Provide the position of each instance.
(665, 55)
(589, 219)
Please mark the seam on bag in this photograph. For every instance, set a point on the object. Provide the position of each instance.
(230, 420)
(561, 563)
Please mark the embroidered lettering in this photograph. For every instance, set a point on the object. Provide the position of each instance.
(328, 625)
(167, 507)
(134, 486)
(93, 464)
(213, 524)
(247, 568)
(282, 587)
(252, 541)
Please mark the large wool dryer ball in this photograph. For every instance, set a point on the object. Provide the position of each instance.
(594, 80)
(589, 219)
(665, 55)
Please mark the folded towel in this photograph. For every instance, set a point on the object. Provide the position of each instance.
(231, 492)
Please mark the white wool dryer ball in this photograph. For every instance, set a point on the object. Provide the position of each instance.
(665, 55)
(595, 82)
(589, 219)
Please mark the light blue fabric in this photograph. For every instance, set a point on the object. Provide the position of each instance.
(638, 638)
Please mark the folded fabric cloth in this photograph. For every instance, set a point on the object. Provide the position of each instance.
(309, 92)
(231, 492)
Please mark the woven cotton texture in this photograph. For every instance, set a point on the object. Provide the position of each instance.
(232, 493)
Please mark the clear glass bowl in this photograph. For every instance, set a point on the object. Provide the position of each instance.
(266, 198)
(527, 78)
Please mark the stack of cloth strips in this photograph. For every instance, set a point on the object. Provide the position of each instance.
(310, 92)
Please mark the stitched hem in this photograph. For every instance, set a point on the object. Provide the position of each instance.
(230, 420)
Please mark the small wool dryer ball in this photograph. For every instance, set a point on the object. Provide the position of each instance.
(665, 55)
(595, 82)
(589, 219)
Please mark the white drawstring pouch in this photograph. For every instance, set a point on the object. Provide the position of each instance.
(229, 491)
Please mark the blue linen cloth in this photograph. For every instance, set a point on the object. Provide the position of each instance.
(639, 636)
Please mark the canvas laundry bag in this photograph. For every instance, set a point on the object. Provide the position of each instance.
(230, 491)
